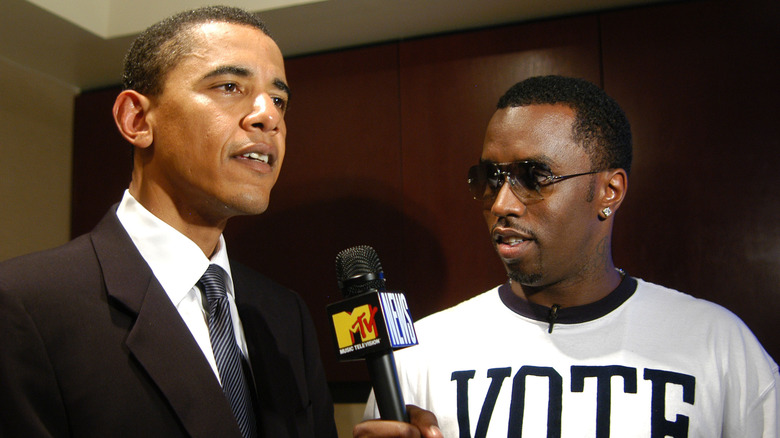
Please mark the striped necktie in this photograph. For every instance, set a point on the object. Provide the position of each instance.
(226, 352)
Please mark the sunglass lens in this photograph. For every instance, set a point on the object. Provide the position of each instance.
(478, 181)
(486, 179)
(523, 178)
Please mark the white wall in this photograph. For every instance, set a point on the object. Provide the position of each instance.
(36, 130)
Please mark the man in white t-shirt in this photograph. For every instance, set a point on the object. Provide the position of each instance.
(572, 346)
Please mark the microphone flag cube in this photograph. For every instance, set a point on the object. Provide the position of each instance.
(371, 322)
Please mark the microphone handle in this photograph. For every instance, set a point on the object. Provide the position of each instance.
(387, 389)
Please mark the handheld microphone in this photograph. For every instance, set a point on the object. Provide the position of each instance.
(370, 323)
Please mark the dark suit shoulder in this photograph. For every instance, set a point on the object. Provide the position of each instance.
(62, 286)
(70, 265)
(253, 286)
(74, 265)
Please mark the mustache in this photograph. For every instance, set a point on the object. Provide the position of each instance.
(506, 222)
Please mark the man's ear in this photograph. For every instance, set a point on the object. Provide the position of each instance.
(131, 110)
(613, 192)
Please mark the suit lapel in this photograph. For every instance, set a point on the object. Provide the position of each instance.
(159, 339)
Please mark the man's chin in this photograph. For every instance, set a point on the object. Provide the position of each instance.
(229, 211)
(524, 278)
(249, 206)
(249, 211)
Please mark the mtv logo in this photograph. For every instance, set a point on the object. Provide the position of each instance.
(358, 327)
(355, 327)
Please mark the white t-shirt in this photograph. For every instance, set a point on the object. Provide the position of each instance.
(645, 361)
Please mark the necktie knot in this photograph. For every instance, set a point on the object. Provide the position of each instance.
(212, 283)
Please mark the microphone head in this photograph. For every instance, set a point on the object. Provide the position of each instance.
(358, 271)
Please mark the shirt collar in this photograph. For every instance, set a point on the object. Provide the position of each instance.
(569, 315)
(176, 261)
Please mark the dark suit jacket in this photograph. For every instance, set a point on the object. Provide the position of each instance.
(91, 346)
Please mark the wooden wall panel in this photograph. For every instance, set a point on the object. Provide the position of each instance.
(380, 139)
(703, 207)
(102, 160)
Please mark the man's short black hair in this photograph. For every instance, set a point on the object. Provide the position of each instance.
(159, 48)
(600, 125)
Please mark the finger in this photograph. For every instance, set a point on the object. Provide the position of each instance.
(382, 428)
(425, 421)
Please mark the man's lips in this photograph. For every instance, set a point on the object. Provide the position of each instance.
(260, 156)
(265, 158)
(510, 243)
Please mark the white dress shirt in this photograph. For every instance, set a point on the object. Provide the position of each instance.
(178, 263)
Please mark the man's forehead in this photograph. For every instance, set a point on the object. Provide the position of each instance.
(212, 36)
(202, 59)
(216, 27)
(536, 114)
(531, 123)
(541, 133)
(225, 51)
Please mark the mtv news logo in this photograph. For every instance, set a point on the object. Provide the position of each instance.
(375, 321)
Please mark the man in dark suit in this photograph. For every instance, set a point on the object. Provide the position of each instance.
(119, 332)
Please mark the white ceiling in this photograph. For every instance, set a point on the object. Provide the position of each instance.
(81, 42)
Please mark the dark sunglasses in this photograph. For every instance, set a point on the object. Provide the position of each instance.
(526, 179)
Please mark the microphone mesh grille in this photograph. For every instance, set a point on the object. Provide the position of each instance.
(356, 262)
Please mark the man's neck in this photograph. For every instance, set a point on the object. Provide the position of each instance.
(571, 293)
(203, 233)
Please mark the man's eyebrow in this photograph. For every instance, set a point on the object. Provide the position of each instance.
(245, 72)
(542, 160)
(229, 70)
(281, 85)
